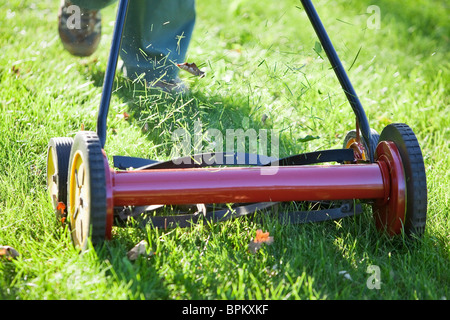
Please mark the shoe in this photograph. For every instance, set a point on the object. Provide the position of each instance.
(79, 29)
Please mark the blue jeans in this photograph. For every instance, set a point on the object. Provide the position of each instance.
(156, 36)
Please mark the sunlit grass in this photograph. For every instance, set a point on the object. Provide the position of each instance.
(262, 73)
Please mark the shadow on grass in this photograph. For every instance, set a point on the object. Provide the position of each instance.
(159, 114)
(352, 244)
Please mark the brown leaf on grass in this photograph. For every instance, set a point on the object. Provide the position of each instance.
(192, 69)
(125, 116)
(15, 70)
(8, 252)
(261, 237)
(61, 207)
(139, 250)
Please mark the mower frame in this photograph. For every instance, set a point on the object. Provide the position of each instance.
(385, 171)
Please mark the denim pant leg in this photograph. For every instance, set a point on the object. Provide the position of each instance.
(156, 36)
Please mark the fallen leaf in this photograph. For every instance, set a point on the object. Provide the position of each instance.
(139, 250)
(192, 69)
(124, 115)
(8, 252)
(61, 207)
(261, 237)
(15, 70)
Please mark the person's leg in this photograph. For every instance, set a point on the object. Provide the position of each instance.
(156, 37)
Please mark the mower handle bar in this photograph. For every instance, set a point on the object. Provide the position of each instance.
(327, 45)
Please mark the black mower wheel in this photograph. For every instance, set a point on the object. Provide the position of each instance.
(351, 138)
(58, 154)
(414, 170)
(86, 190)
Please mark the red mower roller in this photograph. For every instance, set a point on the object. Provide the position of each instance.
(385, 171)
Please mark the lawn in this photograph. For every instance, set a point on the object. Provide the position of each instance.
(264, 70)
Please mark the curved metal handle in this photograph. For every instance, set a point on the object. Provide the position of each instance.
(352, 97)
(111, 70)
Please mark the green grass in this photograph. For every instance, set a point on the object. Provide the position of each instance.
(260, 62)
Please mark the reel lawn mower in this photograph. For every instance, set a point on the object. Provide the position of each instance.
(384, 171)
